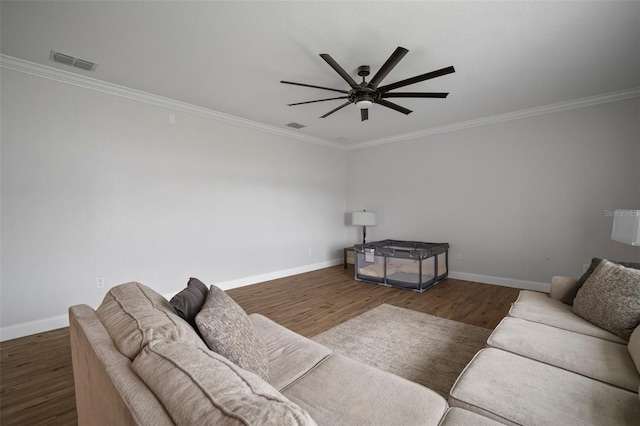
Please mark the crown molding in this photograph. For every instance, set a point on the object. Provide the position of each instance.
(83, 81)
(517, 115)
(44, 71)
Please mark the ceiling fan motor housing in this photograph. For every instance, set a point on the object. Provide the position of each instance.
(363, 94)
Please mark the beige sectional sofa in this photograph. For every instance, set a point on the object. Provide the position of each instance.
(544, 365)
(136, 362)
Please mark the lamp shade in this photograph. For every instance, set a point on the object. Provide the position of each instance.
(626, 227)
(364, 218)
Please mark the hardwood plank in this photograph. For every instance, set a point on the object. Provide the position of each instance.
(314, 302)
(36, 380)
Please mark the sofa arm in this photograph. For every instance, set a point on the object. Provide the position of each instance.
(560, 285)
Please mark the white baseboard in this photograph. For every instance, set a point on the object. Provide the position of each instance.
(505, 282)
(33, 327)
(227, 285)
(48, 324)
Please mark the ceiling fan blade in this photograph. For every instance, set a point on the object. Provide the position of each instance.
(336, 109)
(315, 87)
(415, 95)
(417, 79)
(333, 64)
(394, 106)
(318, 100)
(386, 68)
(364, 114)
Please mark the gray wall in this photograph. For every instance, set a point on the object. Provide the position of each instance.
(518, 201)
(97, 185)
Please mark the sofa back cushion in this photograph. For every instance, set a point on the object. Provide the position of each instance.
(134, 315)
(198, 386)
(610, 299)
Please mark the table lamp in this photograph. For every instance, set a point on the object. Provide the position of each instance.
(364, 219)
(626, 227)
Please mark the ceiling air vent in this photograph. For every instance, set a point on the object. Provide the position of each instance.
(296, 125)
(74, 62)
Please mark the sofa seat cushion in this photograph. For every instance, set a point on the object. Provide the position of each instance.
(517, 390)
(590, 356)
(200, 387)
(341, 391)
(289, 354)
(539, 307)
(134, 315)
(459, 417)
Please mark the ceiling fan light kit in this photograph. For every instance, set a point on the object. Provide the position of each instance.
(364, 94)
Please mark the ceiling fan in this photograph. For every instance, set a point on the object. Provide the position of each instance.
(365, 94)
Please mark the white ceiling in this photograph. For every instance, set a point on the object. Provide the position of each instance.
(230, 56)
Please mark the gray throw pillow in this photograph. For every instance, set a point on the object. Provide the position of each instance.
(189, 301)
(227, 330)
(570, 294)
(610, 299)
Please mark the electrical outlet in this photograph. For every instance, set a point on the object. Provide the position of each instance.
(100, 282)
(310, 251)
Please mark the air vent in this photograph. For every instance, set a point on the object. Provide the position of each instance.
(74, 62)
(85, 65)
(62, 58)
(296, 125)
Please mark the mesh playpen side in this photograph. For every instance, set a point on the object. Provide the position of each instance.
(404, 264)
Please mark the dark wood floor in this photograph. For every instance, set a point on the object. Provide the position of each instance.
(36, 381)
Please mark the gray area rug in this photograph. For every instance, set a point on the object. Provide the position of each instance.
(423, 348)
